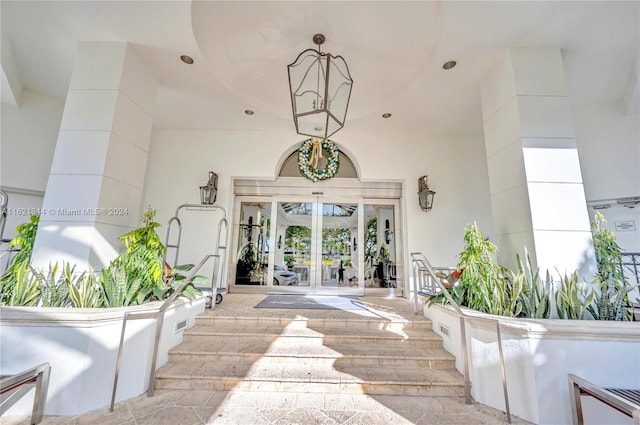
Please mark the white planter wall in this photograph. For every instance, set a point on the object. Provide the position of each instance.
(538, 356)
(81, 345)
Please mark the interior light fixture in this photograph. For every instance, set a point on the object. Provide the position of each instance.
(248, 112)
(355, 245)
(388, 233)
(320, 88)
(386, 115)
(279, 242)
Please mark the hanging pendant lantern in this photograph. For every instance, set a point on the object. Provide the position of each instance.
(320, 86)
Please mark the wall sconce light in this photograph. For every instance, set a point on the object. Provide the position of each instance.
(425, 195)
(279, 244)
(209, 192)
(388, 233)
(355, 245)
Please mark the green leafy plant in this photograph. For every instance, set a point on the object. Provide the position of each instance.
(534, 296)
(573, 298)
(19, 263)
(610, 302)
(383, 253)
(176, 277)
(142, 261)
(53, 289)
(25, 238)
(613, 288)
(608, 254)
(119, 289)
(135, 277)
(483, 283)
(84, 290)
(20, 287)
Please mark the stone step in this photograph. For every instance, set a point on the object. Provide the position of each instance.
(318, 331)
(261, 387)
(262, 348)
(258, 323)
(430, 358)
(336, 356)
(268, 377)
(431, 340)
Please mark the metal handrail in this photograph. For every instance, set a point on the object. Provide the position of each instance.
(4, 201)
(216, 281)
(631, 262)
(175, 245)
(421, 266)
(14, 387)
(158, 315)
(577, 386)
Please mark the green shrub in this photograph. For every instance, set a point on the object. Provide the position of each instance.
(534, 296)
(135, 277)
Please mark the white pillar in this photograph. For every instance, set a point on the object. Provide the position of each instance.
(535, 180)
(95, 184)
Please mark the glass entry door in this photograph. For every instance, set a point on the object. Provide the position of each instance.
(317, 242)
(317, 245)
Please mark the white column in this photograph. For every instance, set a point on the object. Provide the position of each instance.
(535, 180)
(95, 184)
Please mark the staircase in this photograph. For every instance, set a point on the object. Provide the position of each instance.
(300, 355)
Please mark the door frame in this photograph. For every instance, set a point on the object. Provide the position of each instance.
(344, 190)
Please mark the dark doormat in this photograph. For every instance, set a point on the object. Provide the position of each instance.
(311, 302)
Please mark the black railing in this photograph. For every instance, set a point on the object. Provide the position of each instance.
(630, 265)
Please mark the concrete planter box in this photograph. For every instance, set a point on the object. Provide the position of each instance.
(81, 345)
(539, 353)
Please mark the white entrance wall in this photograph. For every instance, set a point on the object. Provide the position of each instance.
(608, 141)
(29, 134)
(179, 162)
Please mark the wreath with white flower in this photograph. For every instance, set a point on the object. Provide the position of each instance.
(309, 154)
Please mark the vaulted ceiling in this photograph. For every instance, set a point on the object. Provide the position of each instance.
(395, 51)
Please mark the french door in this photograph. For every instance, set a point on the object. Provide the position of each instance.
(318, 242)
(315, 245)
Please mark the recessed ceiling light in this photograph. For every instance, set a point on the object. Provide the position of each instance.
(248, 111)
(386, 115)
(449, 65)
(186, 59)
